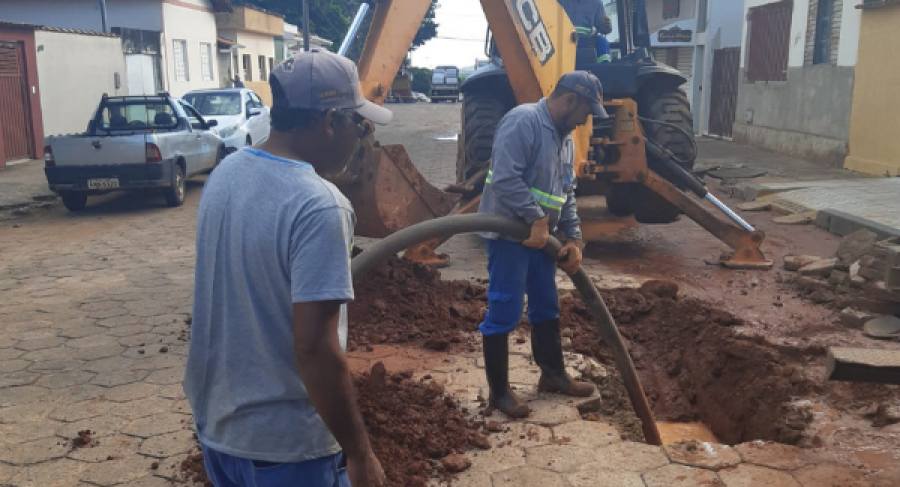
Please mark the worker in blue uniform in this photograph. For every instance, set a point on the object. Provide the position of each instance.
(532, 179)
(591, 24)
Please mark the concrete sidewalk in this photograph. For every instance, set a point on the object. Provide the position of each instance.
(837, 200)
(24, 185)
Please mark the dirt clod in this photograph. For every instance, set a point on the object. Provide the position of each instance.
(154, 465)
(455, 463)
(163, 349)
(83, 439)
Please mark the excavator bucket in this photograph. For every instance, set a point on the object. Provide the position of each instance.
(388, 193)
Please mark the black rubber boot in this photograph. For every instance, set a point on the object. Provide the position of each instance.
(546, 345)
(496, 368)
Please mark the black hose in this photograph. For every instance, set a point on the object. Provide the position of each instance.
(695, 151)
(448, 226)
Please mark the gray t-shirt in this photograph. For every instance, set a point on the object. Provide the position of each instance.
(270, 233)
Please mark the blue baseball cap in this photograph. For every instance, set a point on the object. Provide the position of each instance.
(322, 80)
(587, 86)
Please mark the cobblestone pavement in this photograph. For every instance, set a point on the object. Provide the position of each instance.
(92, 308)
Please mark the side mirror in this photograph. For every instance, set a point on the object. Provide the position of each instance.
(252, 112)
(212, 123)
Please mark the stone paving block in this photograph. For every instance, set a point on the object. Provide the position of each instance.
(32, 452)
(34, 429)
(130, 392)
(593, 476)
(119, 377)
(81, 392)
(129, 330)
(174, 391)
(107, 313)
(100, 427)
(151, 312)
(469, 478)
(159, 361)
(181, 406)
(92, 341)
(775, 455)
(127, 469)
(64, 379)
(81, 331)
(141, 408)
(549, 412)
(527, 376)
(169, 319)
(80, 410)
(148, 482)
(170, 376)
(175, 443)
(25, 412)
(702, 454)
(99, 352)
(586, 433)
(528, 477)
(7, 472)
(139, 340)
(521, 435)
(754, 476)
(56, 365)
(20, 378)
(51, 354)
(97, 305)
(40, 343)
(158, 424)
(10, 353)
(109, 364)
(497, 458)
(630, 456)
(14, 365)
(170, 467)
(57, 473)
(106, 449)
(830, 475)
(560, 458)
(119, 321)
(681, 476)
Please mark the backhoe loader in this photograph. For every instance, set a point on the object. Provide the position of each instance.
(639, 159)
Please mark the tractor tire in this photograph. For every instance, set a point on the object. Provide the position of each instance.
(481, 112)
(672, 107)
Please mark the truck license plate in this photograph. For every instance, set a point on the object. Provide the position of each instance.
(108, 183)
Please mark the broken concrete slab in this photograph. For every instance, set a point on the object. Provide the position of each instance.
(854, 246)
(854, 318)
(795, 262)
(758, 205)
(819, 268)
(803, 218)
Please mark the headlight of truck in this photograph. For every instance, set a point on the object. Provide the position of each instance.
(228, 131)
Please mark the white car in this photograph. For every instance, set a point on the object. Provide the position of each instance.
(243, 119)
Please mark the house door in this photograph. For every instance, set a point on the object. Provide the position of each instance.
(723, 98)
(15, 116)
(141, 70)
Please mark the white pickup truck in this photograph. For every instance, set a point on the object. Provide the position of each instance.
(133, 142)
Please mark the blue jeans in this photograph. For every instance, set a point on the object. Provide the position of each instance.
(228, 471)
(516, 270)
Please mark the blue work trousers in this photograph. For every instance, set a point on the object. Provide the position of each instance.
(229, 471)
(516, 270)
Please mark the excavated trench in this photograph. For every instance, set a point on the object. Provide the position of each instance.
(695, 365)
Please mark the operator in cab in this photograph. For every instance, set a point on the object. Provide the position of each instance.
(591, 24)
(532, 179)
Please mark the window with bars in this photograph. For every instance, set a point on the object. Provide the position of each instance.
(179, 52)
(248, 69)
(262, 68)
(206, 68)
(768, 41)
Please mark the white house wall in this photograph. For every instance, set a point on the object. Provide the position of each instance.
(84, 14)
(193, 25)
(76, 64)
(255, 45)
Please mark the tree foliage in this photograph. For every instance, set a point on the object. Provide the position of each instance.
(421, 80)
(330, 19)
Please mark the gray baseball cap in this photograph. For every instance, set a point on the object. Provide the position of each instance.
(322, 80)
(586, 85)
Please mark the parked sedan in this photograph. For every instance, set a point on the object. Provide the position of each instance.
(243, 119)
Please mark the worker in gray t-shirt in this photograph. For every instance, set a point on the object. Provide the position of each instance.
(266, 375)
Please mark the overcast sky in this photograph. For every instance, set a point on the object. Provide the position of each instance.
(461, 32)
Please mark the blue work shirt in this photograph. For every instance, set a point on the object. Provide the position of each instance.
(586, 13)
(270, 233)
(532, 171)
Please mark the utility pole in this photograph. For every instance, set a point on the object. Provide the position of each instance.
(305, 25)
(103, 18)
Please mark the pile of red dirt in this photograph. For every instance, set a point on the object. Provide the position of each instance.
(404, 302)
(417, 431)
